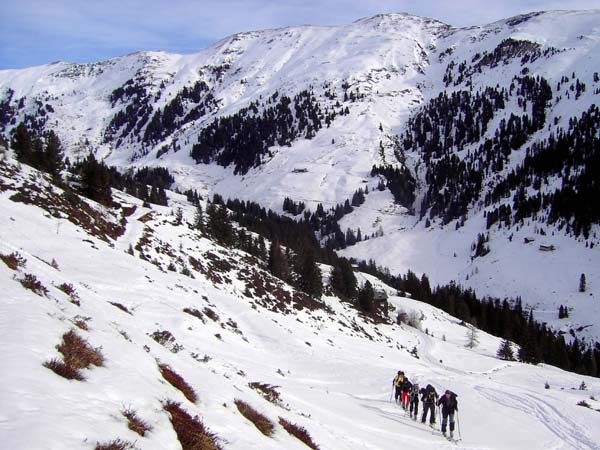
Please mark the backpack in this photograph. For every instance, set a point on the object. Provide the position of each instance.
(430, 394)
(398, 380)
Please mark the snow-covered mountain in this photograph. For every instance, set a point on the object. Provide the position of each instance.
(306, 112)
(163, 325)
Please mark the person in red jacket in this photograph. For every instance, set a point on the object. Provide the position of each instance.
(449, 405)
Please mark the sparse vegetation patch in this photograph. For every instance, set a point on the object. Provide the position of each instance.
(30, 281)
(178, 382)
(267, 391)
(117, 444)
(14, 260)
(135, 423)
(191, 432)
(264, 425)
(298, 432)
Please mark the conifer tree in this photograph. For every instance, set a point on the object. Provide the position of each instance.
(309, 275)
(22, 145)
(278, 264)
(366, 298)
(342, 280)
(53, 160)
(505, 351)
(198, 218)
(582, 284)
(472, 336)
(95, 181)
(218, 224)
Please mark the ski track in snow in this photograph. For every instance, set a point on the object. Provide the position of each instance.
(571, 435)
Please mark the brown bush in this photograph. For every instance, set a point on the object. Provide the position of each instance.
(14, 260)
(261, 422)
(30, 282)
(267, 391)
(68, 289)
(77, 353)
(178, 382)
(135, 423)
(120, 306)
(194, 312)
(191, 432)
(64, 370)
(211, 314)
(116, 444)
(298, 432)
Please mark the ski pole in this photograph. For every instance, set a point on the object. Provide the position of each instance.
(458, 425)
(391, 394)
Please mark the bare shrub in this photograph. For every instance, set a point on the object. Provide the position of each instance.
(194, 312)
(178, 382)
(211, 314)
(163, 337)
(264, 425)
(191, 432)
(298, 432)
(14, 260)
(267, 391)
(120, 306)
(77, 353)
(30, 281)
(135, 423)
(117, 444)
(166, 339)
(81, 322)
(64, 370)
(68, 289)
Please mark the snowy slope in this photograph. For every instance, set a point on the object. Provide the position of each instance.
(331, 367)
(398, 62)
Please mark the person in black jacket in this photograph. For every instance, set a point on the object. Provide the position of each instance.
(429, 397)
(449, 405)
(414, 401)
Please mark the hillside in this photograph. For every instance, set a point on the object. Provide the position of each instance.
(468, 128)
(117, 278)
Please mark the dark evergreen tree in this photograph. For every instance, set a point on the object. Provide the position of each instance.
(22, 145)
(278, 263)
(53, 156)
(343, 281)
(505, 351)
(218, 224)
(366, 298)
(95, 180)
(582, 284)
(309, 278)
(199, 218)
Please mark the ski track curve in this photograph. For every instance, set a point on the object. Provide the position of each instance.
(572, 435)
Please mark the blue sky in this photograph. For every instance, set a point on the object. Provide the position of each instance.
(42, 31)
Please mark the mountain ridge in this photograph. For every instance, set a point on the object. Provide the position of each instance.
(396, 75)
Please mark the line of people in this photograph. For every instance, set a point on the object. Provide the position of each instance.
(407, 395)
